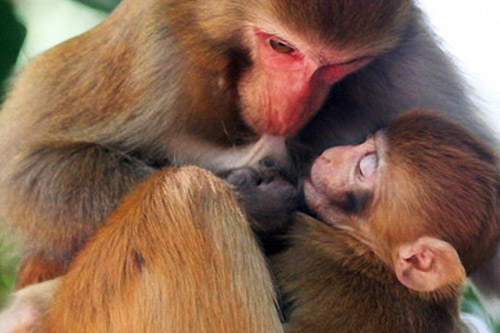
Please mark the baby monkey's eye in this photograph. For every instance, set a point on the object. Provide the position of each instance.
(368, 164)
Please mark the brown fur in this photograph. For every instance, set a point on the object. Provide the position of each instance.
(35, 270)
(179, 257)
(335, 283)
(435, 180)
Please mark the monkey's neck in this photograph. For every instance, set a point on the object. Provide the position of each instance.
(333, 283)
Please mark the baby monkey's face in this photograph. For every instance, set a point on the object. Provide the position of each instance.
(344, 178)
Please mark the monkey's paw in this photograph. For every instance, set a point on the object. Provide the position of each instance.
(268, 198)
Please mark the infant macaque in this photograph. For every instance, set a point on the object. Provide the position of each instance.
(404, 217)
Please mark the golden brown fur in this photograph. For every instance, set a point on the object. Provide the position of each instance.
(179, 257)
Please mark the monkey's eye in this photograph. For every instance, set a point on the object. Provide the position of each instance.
(280, 47)
(368, 164)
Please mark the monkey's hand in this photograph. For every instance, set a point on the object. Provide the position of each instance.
(268, 198)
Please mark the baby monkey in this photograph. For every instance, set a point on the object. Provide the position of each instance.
(405, 216)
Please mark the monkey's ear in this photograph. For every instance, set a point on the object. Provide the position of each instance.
(428, 264)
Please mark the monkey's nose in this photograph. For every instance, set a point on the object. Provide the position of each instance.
(323, 158)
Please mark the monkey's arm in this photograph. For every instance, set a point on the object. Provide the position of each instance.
(58, 195)
(178, 254)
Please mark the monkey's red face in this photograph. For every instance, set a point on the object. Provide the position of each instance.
(289, 80)
(343, 179)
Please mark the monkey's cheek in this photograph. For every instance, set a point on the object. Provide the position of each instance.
(314, 199)
(321, 205)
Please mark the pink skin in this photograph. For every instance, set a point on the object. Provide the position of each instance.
(337, 171)
(428, 264)
(292, 85)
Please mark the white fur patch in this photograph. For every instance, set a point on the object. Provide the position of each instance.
(190, 150)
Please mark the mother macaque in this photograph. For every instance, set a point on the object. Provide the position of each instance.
(218, 84)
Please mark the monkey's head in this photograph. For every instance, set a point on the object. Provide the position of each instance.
(298, 49)
(423, 194)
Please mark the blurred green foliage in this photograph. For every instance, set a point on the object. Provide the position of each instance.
(470, 304)
(8, 263)
(12, 34)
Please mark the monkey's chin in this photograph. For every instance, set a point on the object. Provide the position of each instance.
(319, 204)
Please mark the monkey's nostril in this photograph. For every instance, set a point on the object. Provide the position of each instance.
(259, 180)
(324, 159)
(268, 162)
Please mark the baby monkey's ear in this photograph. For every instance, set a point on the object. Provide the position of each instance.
(428, 264)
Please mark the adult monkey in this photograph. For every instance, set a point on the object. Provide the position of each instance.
(182, 82)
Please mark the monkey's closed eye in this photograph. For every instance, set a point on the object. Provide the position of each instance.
(280, 46)
(368, 164)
